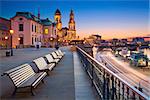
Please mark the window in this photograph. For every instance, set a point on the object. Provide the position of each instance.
(32, 28)
(20, 19)
(20, 27)
(46, 31)
(35, 28)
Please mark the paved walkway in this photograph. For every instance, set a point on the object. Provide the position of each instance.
(67, 81)
(83, 89)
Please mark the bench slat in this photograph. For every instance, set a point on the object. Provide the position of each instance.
(15, 69)
(22, 78)
(21, 73)
(18, 71)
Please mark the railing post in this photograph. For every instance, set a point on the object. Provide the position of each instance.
(133, 96)
(123, 91)
(115, 87)
(127, 92)
(92, 73)
(107, 86)
(104, 83)
(118, 90)
(112, 88)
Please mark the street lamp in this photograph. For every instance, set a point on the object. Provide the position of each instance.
(18, 39)
(6, 38)
(11, 33)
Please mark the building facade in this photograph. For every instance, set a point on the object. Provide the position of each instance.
(5, 40)
(29, 29)
(49, 30)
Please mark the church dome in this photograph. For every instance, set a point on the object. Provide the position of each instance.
(57, 12)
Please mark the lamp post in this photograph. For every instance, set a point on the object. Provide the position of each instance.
(11, 33)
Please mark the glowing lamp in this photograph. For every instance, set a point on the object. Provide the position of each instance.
(19, 39)
(6, 37)
(11, 31)
(51, 38)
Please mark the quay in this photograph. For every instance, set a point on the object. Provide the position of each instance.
(67, 81)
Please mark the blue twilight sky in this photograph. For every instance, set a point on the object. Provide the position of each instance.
(109, 18)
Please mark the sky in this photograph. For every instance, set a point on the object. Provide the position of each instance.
(108, 18)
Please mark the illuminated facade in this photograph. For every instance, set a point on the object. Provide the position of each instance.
(49, 34)
(29, 29)
(64, 33)
(4, 33)
(71, 25)
(57, 18)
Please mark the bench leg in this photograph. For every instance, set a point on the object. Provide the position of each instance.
(42, 81)
(47, 71)
(14, 91)
(32, 91)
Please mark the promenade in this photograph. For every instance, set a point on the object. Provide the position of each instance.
(67, 81)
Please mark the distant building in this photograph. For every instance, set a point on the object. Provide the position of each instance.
(4, 33)
(92, 39)
(29, 29)
(49, 30)
(64, 33)
(147, 38)
(138, 40)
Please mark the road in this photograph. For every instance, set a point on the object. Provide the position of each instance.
(125, 71)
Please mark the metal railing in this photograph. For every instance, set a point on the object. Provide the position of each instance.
(108, 84)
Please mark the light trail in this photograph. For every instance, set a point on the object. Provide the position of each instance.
(123, 70)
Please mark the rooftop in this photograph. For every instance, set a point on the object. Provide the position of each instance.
(28, 15)
(46, 22)
(57, 12)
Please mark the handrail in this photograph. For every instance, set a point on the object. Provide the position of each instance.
(111, 72)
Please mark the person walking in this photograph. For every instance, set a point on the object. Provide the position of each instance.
(56, 46)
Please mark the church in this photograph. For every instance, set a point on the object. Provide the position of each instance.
(65, 34)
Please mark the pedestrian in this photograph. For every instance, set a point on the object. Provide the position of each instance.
(56, 46)
(35, 44)
(39, 43)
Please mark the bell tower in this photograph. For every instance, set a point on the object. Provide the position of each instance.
(57, 18)
(71, 26)
(71, 21)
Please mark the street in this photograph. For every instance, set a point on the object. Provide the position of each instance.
(125, 71)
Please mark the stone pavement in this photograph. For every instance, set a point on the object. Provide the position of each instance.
(59, 85)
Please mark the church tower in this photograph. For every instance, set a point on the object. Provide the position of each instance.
(71, 26)
(57, 18)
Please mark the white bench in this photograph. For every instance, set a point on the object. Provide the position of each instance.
(50, 59)
(56, 56)
(58, 53)
(23, 76)
(42, 65)
(62, 53)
